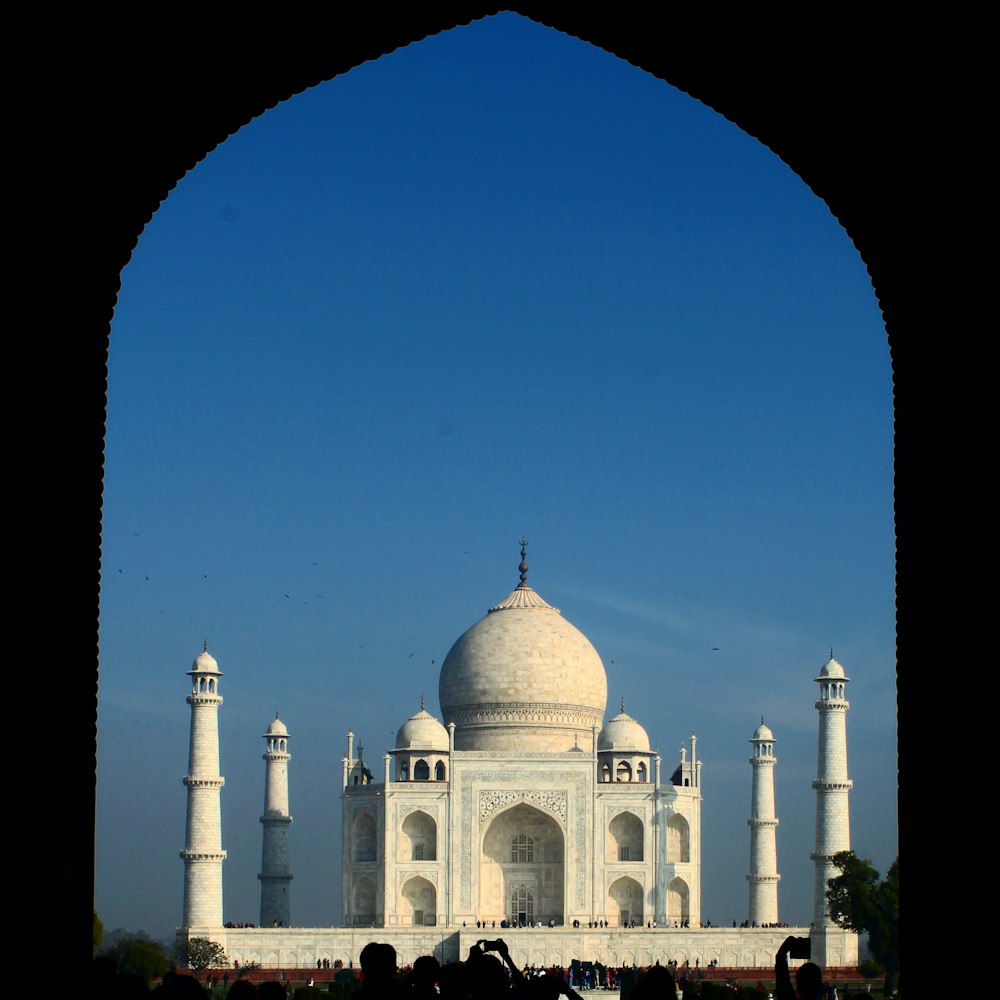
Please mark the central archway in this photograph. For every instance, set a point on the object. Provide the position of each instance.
(522, 868)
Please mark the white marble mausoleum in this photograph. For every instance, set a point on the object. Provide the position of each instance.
(522, 810)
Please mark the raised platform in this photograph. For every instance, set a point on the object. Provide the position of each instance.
(732, 948)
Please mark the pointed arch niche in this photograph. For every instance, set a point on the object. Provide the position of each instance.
(522, 864)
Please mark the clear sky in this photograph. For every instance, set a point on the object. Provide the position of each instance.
(496, 283)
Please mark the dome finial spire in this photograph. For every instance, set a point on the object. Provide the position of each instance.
(524, 562)
(204, 648)
(623, 706)
(421, 703)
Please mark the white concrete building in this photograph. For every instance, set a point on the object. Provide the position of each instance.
(833, 827)
(763, 875)
(525, 809)
(275, 876)
(203, 854)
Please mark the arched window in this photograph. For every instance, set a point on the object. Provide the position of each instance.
(640, 771)
(678, 901)
(678, 839)
(211, 684)
(522, 848)
(418, 838)
(625, 838)
(365, 841)
(623, 772)
(439, 771)
(522, 907)
(363, 898)
(418, 903)
(605, 773)
(625, 903)
(404, 772)
(421, 771)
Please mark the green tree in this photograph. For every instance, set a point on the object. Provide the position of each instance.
(145, 958)
(871, 969)
(199, 954)
(861, 901)
(98, 931)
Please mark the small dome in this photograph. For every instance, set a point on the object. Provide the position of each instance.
(762, 733)
(277, 728)
(204, 663)
(623, 733)
(422, 732)
(832, 669)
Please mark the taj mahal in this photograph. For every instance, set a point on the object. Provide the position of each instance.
(522, 810)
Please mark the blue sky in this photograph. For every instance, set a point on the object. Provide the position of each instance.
(496, 283)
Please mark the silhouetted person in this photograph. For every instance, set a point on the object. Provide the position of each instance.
(486, 977)
(451, 981)
(808, 976)
(129, 986)
(549, 987)
(655, 984)
(423, 978)
(378, 967)
(176, 986)
(272, 990)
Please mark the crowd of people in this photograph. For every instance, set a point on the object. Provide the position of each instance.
(488, 973)
(602, 924)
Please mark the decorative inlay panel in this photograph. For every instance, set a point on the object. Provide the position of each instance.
(613, 876)
(405, 874)
(490, 802)
(540, 713)
(613, 811)
(431, 811)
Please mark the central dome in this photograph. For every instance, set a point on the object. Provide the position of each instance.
(523, 678)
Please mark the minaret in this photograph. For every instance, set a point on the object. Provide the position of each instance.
(203, 854)
(833, 831)
(275, 899)
(763, 876)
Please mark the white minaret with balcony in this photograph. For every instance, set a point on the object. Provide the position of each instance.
(203, 854)
(763, 875)
(833, 827)
(275, 878)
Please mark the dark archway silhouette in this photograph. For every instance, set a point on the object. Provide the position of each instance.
(139, 102)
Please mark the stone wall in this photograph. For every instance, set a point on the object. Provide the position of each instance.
(301, 947)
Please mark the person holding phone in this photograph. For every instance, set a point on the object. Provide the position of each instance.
(808, 976)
